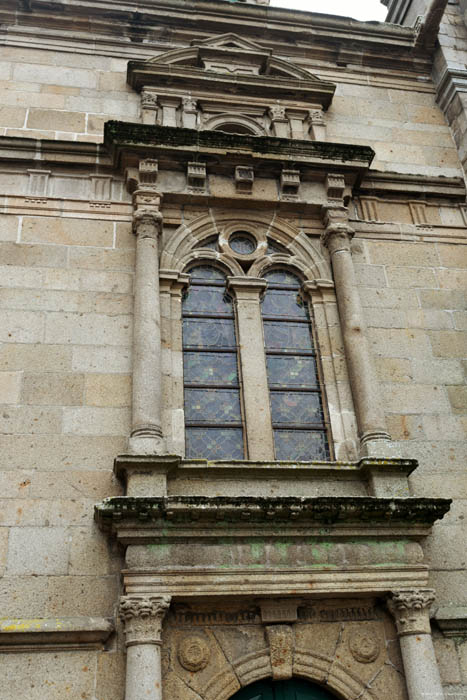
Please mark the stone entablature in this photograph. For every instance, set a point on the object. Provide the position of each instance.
(231, 84)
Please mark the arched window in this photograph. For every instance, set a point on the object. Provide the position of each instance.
(213, 414)
(298, 420)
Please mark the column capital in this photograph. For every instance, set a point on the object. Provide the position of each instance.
(337, 236)
(246, 287)
(147, 218)
(143, 617)
(410, 609)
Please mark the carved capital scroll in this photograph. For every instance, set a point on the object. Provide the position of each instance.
(143, 618)
(411, 611)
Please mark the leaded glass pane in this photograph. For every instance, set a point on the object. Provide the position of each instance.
(242, 243)
(209, 243)
(210, 368)
(282, 277)
(275, 248)
(207, 300)
(301, 445)
(212, 406)
(296, 407)
(288, 337)
(206, 272)
(291, 371)
(208, 333)
(283, 303)
(214, 443)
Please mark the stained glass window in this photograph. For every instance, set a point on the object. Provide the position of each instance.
(298, 420)
(213, 416)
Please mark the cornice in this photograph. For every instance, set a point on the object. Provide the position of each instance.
(221, 511)
(60, 633)
(127, 142)
(132, 29)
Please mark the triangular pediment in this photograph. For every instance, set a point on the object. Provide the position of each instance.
(229, 41)
(227, 64)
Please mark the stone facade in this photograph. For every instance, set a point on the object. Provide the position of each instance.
(135, 143)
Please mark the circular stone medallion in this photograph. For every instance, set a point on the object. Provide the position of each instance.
(193, 653)
(363, 646)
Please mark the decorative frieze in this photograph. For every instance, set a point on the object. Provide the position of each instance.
(38, 183)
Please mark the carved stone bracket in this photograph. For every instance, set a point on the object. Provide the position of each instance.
(143, 618)
(411, 611)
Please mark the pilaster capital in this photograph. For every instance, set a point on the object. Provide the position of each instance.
(143, 617)
(410, 609)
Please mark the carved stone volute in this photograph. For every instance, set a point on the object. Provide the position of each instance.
(143, 618)
(411, 611)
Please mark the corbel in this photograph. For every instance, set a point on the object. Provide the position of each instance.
(244, 178)
(335, 187)
(290, 183)
(196, 175)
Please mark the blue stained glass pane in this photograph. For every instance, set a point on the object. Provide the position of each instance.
(284, 303)
(291, 371)
(206, 272)
(206, 300)
(295, 407)
(214, 443)
(210, 368)
(282, 277)
(208, 333)
(288, 337)
(275, 248)
(210, 244)
(212, 406)
(301, 445)
(242, 243)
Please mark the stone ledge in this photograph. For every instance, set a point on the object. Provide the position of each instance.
(254, 509)
(452, 620)
(58, 633)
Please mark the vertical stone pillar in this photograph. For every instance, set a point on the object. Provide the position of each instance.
(279, 121)
(369, 409)
(411, 612)
(246, 292)
(146, 432)
(143, 624)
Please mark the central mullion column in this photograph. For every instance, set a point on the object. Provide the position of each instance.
(247, 292)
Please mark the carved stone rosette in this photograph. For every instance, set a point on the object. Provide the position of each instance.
(411, 611)
(143, 618)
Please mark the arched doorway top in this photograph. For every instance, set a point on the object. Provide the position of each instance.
(293, 689)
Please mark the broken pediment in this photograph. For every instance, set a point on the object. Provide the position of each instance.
(229, 64)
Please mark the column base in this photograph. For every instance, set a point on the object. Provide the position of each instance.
(146, 445)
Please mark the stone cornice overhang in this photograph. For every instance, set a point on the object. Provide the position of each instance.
(224, 514)
(143, 74)
(128, 142)
(142, 25)
(54, 634)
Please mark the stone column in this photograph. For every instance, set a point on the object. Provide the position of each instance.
(246, 292)
(146, 432)
(143, 624)
(411, 612)
(369, 408)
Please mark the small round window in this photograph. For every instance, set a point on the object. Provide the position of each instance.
(242, 243)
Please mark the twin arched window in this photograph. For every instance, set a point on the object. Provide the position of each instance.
(214, 411)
